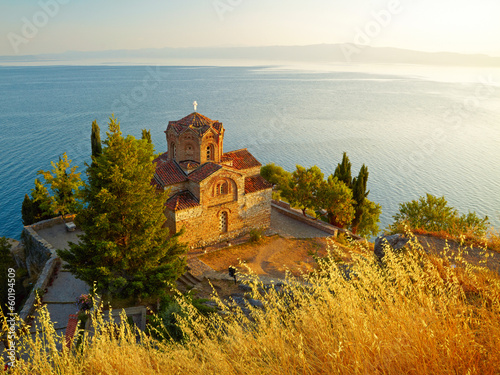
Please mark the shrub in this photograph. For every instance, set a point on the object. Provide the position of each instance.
(433, 214)
(256, 234)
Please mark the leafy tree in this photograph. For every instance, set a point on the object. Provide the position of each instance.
(278, 177)
(433, 214)
(275, 174)
(368, 224)
(343, 171)
(336, 198)
(306, 189)
(95, 139)
(37, 207)
(125, 249)
(65, 187)
(146, 135)
(304, 185)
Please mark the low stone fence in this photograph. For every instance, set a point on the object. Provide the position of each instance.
(286, 210)
(41, 284)
(39, 253)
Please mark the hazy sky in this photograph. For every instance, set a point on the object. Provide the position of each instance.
(30, 27)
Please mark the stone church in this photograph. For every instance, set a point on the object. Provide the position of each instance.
(214, 195)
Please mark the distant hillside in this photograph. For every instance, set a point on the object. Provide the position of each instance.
(321, 53)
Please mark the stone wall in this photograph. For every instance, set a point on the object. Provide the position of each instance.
(37, 250)
(258, 210)
(41, 258)
(286, 210)
(202, 224)
(41, 284)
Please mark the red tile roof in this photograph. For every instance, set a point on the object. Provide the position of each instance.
(256, 183)
(197, 122)
(168, 173)
(203, 172)
(160, 159)
(182, 201)
(241, 159)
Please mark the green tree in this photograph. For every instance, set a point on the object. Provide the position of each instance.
(304, 186)
(65, 186)
(336, 198)
(368, 225)
(275, 174)
(95, 139)
(433, 214)
(359, 195)
(307, 189)
(27, 211)
(37, 207)
(343, 171)
(125, 248)
(278, 177)
(146, 135)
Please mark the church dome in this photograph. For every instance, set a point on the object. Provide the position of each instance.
(197, 122)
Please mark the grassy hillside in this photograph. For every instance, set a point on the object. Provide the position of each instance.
(414, 314)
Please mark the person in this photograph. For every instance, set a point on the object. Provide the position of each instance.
(232, 273)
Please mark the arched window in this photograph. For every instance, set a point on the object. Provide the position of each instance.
(210, 152)
(223, 222)
(222, 188)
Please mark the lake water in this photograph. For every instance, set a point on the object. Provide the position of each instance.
(417, 131)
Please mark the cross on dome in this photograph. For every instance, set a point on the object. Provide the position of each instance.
(195, 104)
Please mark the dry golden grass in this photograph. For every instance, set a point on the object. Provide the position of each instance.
(418, 314)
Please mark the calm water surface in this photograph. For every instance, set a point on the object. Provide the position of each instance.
(415, 133)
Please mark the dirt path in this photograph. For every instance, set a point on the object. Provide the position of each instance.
(271, 257)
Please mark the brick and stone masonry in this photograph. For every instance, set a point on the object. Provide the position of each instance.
(214, 196)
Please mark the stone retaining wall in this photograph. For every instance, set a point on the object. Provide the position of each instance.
(41, 257)
(286, 210)
(41, 284)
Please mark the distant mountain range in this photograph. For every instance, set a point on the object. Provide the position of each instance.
(320, 53)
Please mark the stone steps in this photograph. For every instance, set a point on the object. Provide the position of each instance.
(188, 280)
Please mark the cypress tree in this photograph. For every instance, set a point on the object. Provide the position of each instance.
(359, 195)
(27, 211)
(343, 171)
(95, 139)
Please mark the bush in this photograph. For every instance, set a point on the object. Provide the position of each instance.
(434, 215)
(166, 325)
(256, 234)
